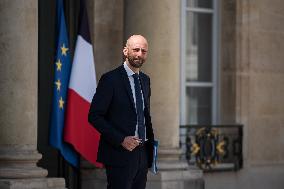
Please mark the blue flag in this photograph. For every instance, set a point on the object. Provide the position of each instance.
(62, 68)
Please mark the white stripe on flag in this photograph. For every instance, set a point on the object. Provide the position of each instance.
(83, 75)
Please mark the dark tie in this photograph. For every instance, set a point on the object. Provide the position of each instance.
(139, 108)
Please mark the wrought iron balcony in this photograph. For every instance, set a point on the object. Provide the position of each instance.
(213, 147)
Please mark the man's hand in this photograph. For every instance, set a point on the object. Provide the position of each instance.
(130, 142)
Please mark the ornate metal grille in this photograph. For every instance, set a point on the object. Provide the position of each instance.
(213, 147)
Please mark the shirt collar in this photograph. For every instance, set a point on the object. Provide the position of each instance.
(128, 70)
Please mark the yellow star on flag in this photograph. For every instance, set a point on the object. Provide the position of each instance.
(64, 50)
(61, 103)
(58, 64)
(58, 84)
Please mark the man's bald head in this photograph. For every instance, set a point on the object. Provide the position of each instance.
(135, 51)
(134, 39)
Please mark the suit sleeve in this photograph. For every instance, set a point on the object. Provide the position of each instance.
(98, 110)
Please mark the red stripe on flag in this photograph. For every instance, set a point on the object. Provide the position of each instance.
(77, 131)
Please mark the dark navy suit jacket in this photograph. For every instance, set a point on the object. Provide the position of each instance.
(113, 114)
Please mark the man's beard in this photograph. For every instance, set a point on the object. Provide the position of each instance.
(136, 62)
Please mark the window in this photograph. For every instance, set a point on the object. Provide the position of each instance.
(199, 62)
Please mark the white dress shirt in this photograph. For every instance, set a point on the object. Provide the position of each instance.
(131, 81)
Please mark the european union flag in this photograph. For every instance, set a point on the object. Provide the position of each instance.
(62, 68)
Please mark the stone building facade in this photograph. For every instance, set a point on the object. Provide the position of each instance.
(250, 81)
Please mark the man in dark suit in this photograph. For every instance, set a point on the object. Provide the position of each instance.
(120, 111)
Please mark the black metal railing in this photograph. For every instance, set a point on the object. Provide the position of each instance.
(213, 147)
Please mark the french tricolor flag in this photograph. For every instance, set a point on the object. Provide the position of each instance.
(82, 86)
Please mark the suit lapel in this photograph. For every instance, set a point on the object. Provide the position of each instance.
(127, 86)
(144, 89)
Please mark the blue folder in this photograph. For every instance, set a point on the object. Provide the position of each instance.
(154, 168)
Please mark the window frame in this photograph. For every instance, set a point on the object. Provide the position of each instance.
(214, 84)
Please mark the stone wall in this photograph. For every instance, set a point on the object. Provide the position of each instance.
(252, 78)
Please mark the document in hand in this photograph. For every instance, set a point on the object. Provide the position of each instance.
(154, 168)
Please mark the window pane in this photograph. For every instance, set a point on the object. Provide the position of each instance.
(198, 47)
(198, 103)
(199, 3)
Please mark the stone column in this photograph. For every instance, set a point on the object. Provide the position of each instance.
(159, 22)
(18, 98)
